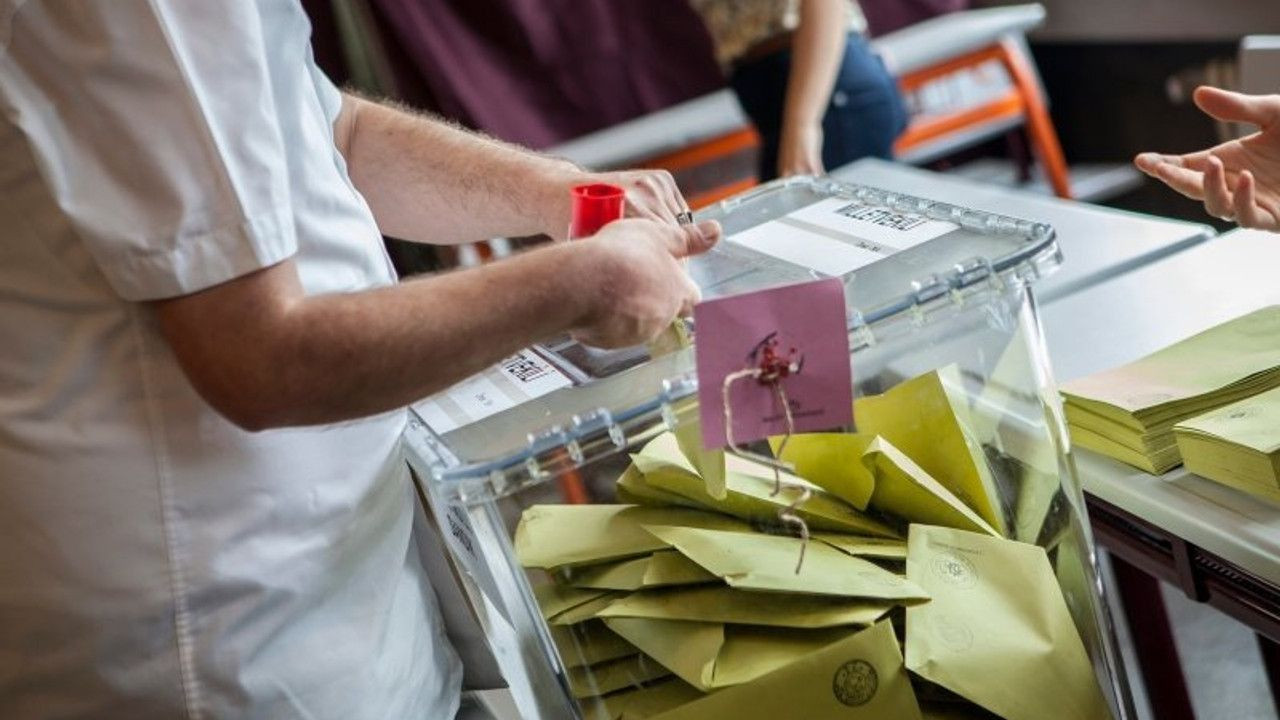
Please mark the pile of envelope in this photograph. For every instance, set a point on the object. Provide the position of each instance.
(1129, 412)
(688, 600)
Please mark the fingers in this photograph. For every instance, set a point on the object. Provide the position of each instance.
(694, 239)
(1262, 110)
(1248, 211)
(654, 196)
(1244, 205)
(1187, 182)
(692, 296)
(1217, 197)
(670, 193)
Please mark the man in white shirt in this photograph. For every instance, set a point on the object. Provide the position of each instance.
(204, 357)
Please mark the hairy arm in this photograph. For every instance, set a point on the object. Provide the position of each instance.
(429, 181)
(815, 61)
(264, 354)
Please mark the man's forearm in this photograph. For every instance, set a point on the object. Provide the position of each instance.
(428, 181)
(334, 357)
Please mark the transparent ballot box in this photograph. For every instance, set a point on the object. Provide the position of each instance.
(941, 564)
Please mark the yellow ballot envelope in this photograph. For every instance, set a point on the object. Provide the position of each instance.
(641, 703)
(904, 489)
(555, 599)
(713, 655)
(946, 711)
(767, 563)
(632, 488)
(749, 491)
(614, 675)
(832, 461)
(553, 536)
(864, 547)
(662, 568)
(997, 632)
(723, 604)
(927, 418)
(589, 643)
(708, 464)
(859, 678)
(585, 611)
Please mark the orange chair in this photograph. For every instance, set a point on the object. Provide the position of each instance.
(1024, 100)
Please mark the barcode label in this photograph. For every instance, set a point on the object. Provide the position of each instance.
(526, 368)
(889, 228)
(516, 380)
(882, 217)
(835, 237)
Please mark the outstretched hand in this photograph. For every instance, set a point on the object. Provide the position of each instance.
(1238, 180)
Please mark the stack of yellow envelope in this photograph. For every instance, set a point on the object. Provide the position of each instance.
(1128, 413)
(635, 594)
(686, 602)
(1237, 445)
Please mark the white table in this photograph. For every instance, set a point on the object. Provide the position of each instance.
(1219, 545)
(1131, 316)
(1097, 243)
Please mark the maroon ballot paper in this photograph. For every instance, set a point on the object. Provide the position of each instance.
(802, 323)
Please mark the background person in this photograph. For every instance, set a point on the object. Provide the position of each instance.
(806, 76)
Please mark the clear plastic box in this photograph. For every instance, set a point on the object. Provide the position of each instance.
(960, 300)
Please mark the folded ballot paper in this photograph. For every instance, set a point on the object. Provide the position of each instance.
(997, 631)
(685, 601)
(832, 461)
(749, 490)
(1237, 445)
(860, 677)
(904, 489)
(643, 701)
(928, 419)
(709, 655)
(714, 603)
(1128, 413)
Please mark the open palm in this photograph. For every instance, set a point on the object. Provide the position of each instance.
(1237, 180)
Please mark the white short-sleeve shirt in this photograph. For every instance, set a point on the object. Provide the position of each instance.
(156, 560)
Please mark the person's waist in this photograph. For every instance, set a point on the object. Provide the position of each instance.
(762, 49)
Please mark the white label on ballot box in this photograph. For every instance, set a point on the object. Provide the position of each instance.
(516, 380)
(837, 236)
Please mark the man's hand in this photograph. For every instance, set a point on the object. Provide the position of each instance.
(266, 354)
(1237, 180)
(651, 195)
(642, 284)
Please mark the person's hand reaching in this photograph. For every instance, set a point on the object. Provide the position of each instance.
(1237, 180)
(639, 282)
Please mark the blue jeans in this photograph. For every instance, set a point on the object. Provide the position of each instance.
(865, 115)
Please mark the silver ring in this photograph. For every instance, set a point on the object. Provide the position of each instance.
(685, 217)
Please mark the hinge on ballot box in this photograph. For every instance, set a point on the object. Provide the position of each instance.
(557, 449)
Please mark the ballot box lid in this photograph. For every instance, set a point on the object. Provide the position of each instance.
(904, 262)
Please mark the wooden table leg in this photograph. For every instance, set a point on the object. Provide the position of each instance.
(1148, 620)
(1271, 664)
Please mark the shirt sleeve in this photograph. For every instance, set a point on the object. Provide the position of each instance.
(155, 127)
